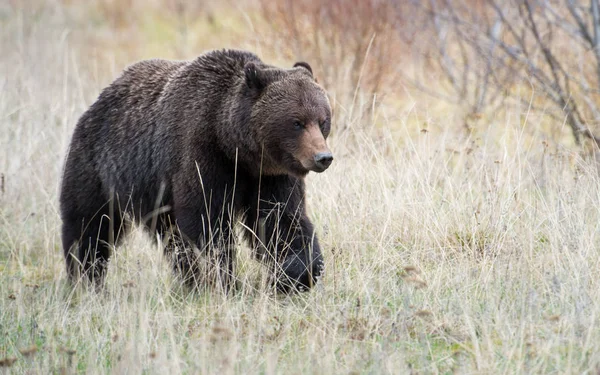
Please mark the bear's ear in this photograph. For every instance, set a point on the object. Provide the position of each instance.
(256, 78)
(304, 65)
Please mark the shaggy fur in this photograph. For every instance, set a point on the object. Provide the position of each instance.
(188, 149)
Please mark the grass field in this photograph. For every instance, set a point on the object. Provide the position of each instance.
(445, 252)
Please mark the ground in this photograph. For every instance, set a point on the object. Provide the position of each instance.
(445, 252)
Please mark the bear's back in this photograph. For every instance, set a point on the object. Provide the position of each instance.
(205, 83)
(140, 85)
(119, 129)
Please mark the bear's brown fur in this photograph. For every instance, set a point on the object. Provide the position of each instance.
(188, 149)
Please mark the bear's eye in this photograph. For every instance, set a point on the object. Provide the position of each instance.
(298, 125)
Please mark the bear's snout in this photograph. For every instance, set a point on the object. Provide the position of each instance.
(322, 161)
(313, 152)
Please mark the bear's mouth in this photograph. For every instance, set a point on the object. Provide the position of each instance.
(318, 169)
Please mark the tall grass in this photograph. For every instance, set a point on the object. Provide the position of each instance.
(443, 253)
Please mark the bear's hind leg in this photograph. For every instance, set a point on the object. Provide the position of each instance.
(87, 244)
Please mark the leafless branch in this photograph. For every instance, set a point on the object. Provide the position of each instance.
(484, 52)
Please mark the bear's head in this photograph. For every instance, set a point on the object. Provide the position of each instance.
(291, 118)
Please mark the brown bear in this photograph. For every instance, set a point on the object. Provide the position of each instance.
(189, 149)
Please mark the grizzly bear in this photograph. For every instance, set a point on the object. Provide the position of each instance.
(189, 150)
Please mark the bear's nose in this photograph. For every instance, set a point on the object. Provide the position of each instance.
(323, 160)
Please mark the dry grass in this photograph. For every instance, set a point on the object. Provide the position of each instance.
(443, 254)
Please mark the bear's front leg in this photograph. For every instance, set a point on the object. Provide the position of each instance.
(303, 261)
(282, 231)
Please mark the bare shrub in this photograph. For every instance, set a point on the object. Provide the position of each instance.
(544, 53)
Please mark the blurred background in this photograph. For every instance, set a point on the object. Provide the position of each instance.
(460, 63)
